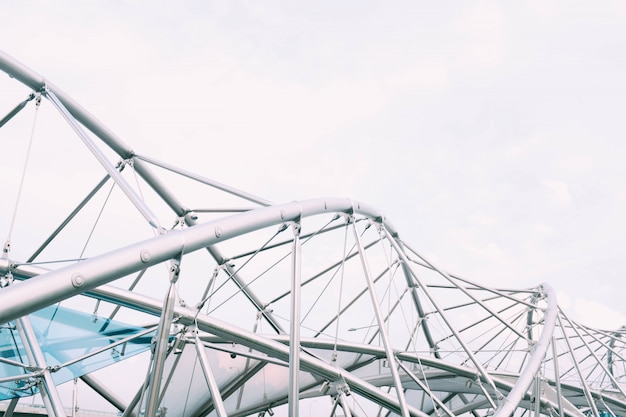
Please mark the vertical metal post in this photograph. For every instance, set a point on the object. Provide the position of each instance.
(75, 398)
(48, 390)
(585, 386)
(557, 378)
(393, 367)
(214, 389)
(294, 336)
(537, 390)
(163, 333)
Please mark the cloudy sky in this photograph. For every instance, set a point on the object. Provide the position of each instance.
(490, 133)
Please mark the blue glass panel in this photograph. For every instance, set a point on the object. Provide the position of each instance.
(64, 334)
(11, 350)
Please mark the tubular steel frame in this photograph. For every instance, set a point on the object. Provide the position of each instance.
(345, 307)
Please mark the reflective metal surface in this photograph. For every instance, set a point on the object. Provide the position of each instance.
(162, 292)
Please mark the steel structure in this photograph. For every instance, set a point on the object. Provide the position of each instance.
(193, 298)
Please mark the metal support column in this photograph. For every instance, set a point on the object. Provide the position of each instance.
(47, 387)
(557, 378)
(214, 389)
(294, 336)
(163, 332)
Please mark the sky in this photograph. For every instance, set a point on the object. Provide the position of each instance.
(490, 133)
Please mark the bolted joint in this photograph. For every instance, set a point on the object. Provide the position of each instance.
(145, 256)
(297, 227)
(6, 279)
(342, 387)
(190, 218)
(77, 280)
(174, 271)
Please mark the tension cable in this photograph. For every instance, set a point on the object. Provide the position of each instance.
(7, 245)
(17, 109)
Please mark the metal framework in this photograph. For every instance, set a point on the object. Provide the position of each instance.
(244, 307)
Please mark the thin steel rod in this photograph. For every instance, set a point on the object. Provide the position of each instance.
(468, 294)
(557, 379)
(16, 110)
(69, 218)
(216, 397)
(485, 375)
(21, 377)
(598, 360)
(206, 181)
(105, 348)
(436, 401)
(48, 389)
(610, 352)
(102, 159)
(393, 367)
(498, 291)
(585, 386)
(418, 305)
(153, 181)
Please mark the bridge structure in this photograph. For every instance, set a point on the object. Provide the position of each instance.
(162, 292)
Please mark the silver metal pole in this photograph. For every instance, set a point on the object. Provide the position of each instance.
(75, 398)
(605, 368)
(57, 285)
(343, 401)
(436, 401)
(49, 393)
(105, 393)
(294, 336)
(110, 169)
(444, 317)
(162, 338)
(223, 187)
(538, 353)
(11, 407)
(557, 377)
(393, 367)
(585, 386)
(36, 82)
(214, 389)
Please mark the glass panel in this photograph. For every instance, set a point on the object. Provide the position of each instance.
(63, 335)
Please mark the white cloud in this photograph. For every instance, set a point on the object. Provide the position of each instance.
(559, 192)
(597, 314)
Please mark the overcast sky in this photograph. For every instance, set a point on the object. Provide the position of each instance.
(490, 133)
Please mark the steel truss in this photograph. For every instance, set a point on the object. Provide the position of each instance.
(314, 306)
